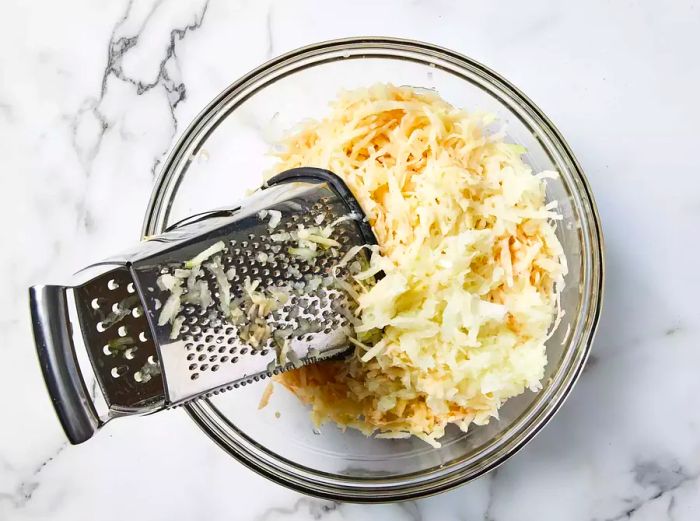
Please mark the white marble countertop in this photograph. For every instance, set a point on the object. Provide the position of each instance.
(93, 94)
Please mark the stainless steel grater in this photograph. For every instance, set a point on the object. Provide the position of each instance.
(111, 310)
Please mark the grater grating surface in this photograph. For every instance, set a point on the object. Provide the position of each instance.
(143, 367)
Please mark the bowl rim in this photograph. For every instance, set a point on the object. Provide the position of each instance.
(338, 487)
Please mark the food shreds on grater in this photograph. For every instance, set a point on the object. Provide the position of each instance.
(220, 300)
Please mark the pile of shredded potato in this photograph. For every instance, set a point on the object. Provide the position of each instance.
(472, 266)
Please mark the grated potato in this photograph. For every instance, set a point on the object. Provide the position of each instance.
(473, 268)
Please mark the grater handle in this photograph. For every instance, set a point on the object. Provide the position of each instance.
(54, 345)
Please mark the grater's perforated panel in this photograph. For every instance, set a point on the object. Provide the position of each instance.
(118, 340)
(210, 352)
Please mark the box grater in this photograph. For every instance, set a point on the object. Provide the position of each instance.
(250, 303)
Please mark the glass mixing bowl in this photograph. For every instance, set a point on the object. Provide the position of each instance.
(224, 152)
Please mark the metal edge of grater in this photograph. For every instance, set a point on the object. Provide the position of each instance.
(112, 307)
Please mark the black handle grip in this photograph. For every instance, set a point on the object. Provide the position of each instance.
(54, 345)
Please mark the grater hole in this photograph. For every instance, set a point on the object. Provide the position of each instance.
(152, 360)
(100, 327)
(142, 336)
(211, 349)
(192, 320)
(121, 331)
(95, 303)
(137, 312)
(130, 287)
(202, 358)
(244, 350)
(204, 367)
(224, 359)
(244, 244)
(116, 372)
(200, 348)
(232, 350)
(112, 284)
(213, 358)
(222, 349)
(219, 340)
(194, 376)
(106, 350)
(251, 236)
(190, 357)
(215, 367)
(129, 353)
(234, 359)
(192, 367)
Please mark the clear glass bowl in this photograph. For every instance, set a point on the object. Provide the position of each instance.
(224, 152)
